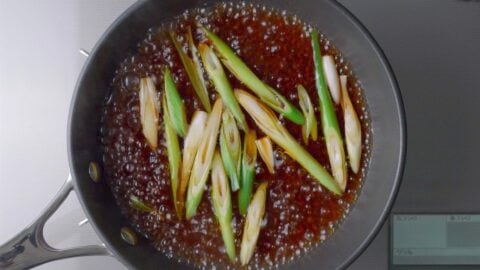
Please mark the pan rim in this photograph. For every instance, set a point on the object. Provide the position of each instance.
(402, 129)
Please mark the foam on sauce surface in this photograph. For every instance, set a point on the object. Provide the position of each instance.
(300, 214)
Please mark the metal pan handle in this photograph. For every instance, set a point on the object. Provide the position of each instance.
(29, 248)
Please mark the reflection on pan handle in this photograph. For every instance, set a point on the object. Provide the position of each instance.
(29, 248)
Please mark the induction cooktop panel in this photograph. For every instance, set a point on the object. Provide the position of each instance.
(433, 47)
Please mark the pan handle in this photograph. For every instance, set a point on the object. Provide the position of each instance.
(29, 248)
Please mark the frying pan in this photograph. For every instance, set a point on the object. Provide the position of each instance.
(29, 247)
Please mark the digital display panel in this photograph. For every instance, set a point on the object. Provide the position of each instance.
(435, 239)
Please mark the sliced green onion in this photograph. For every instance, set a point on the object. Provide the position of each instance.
(190, 148)
(336, 155)
(149, 109)
(202, 93)
(353, 129)
(253, 222)
(265, 149)
(331, 131)
(173, 152)
(139, 205)
(222, 204)
(249, 158)
(193, 69)
(244, 74)
(220, 81)
(271, 126)
(176, 108)
(331, 76)
(231, 148)
(310, 126)
(203, 160)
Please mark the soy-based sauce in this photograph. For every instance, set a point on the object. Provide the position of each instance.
(300, 213)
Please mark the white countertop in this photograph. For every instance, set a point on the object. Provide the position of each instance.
(39, 65)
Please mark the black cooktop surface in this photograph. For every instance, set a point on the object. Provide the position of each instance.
(434, 49)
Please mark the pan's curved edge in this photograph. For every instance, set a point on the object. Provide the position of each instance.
(75, 94)
(403, 132)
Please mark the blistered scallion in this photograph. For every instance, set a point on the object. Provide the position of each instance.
(193, 68)
(265, 149)
(309, 129)
(222, 85)
(331, 131)
(249, 159)
(139, 205)
(244, 74)
(190, 148)
(175, 106)
(353, 129)
(173, 153)
(149, 109)
(222, 204)
(267, 121)
(231, 148)
(203, 160)
(253, 222)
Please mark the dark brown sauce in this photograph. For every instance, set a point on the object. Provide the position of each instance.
(299, 214)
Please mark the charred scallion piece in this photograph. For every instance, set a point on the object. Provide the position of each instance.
(222, 85)
(149, 109)
(271, 126)
(173, 153)
(176, 109)
(231, 148)
(138, 204)
(331, 131)
(190, 148)
(253, 222)
(244, 74)
(222, 204)
(353, 129)
(265, 149)
(203, 159)
(249, 158)
(193, 68)
(309, 129)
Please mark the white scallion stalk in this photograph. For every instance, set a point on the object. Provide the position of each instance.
(253, 221)
(309, 128)
(353, 129)
(265, 149)
(222, 204)
(203, 160)
(149, 109)
(336, 155)
(331, 76)
(190, 148)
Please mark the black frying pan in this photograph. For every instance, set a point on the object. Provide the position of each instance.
(366, 217)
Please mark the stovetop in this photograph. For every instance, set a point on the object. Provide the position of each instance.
(431, 45)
